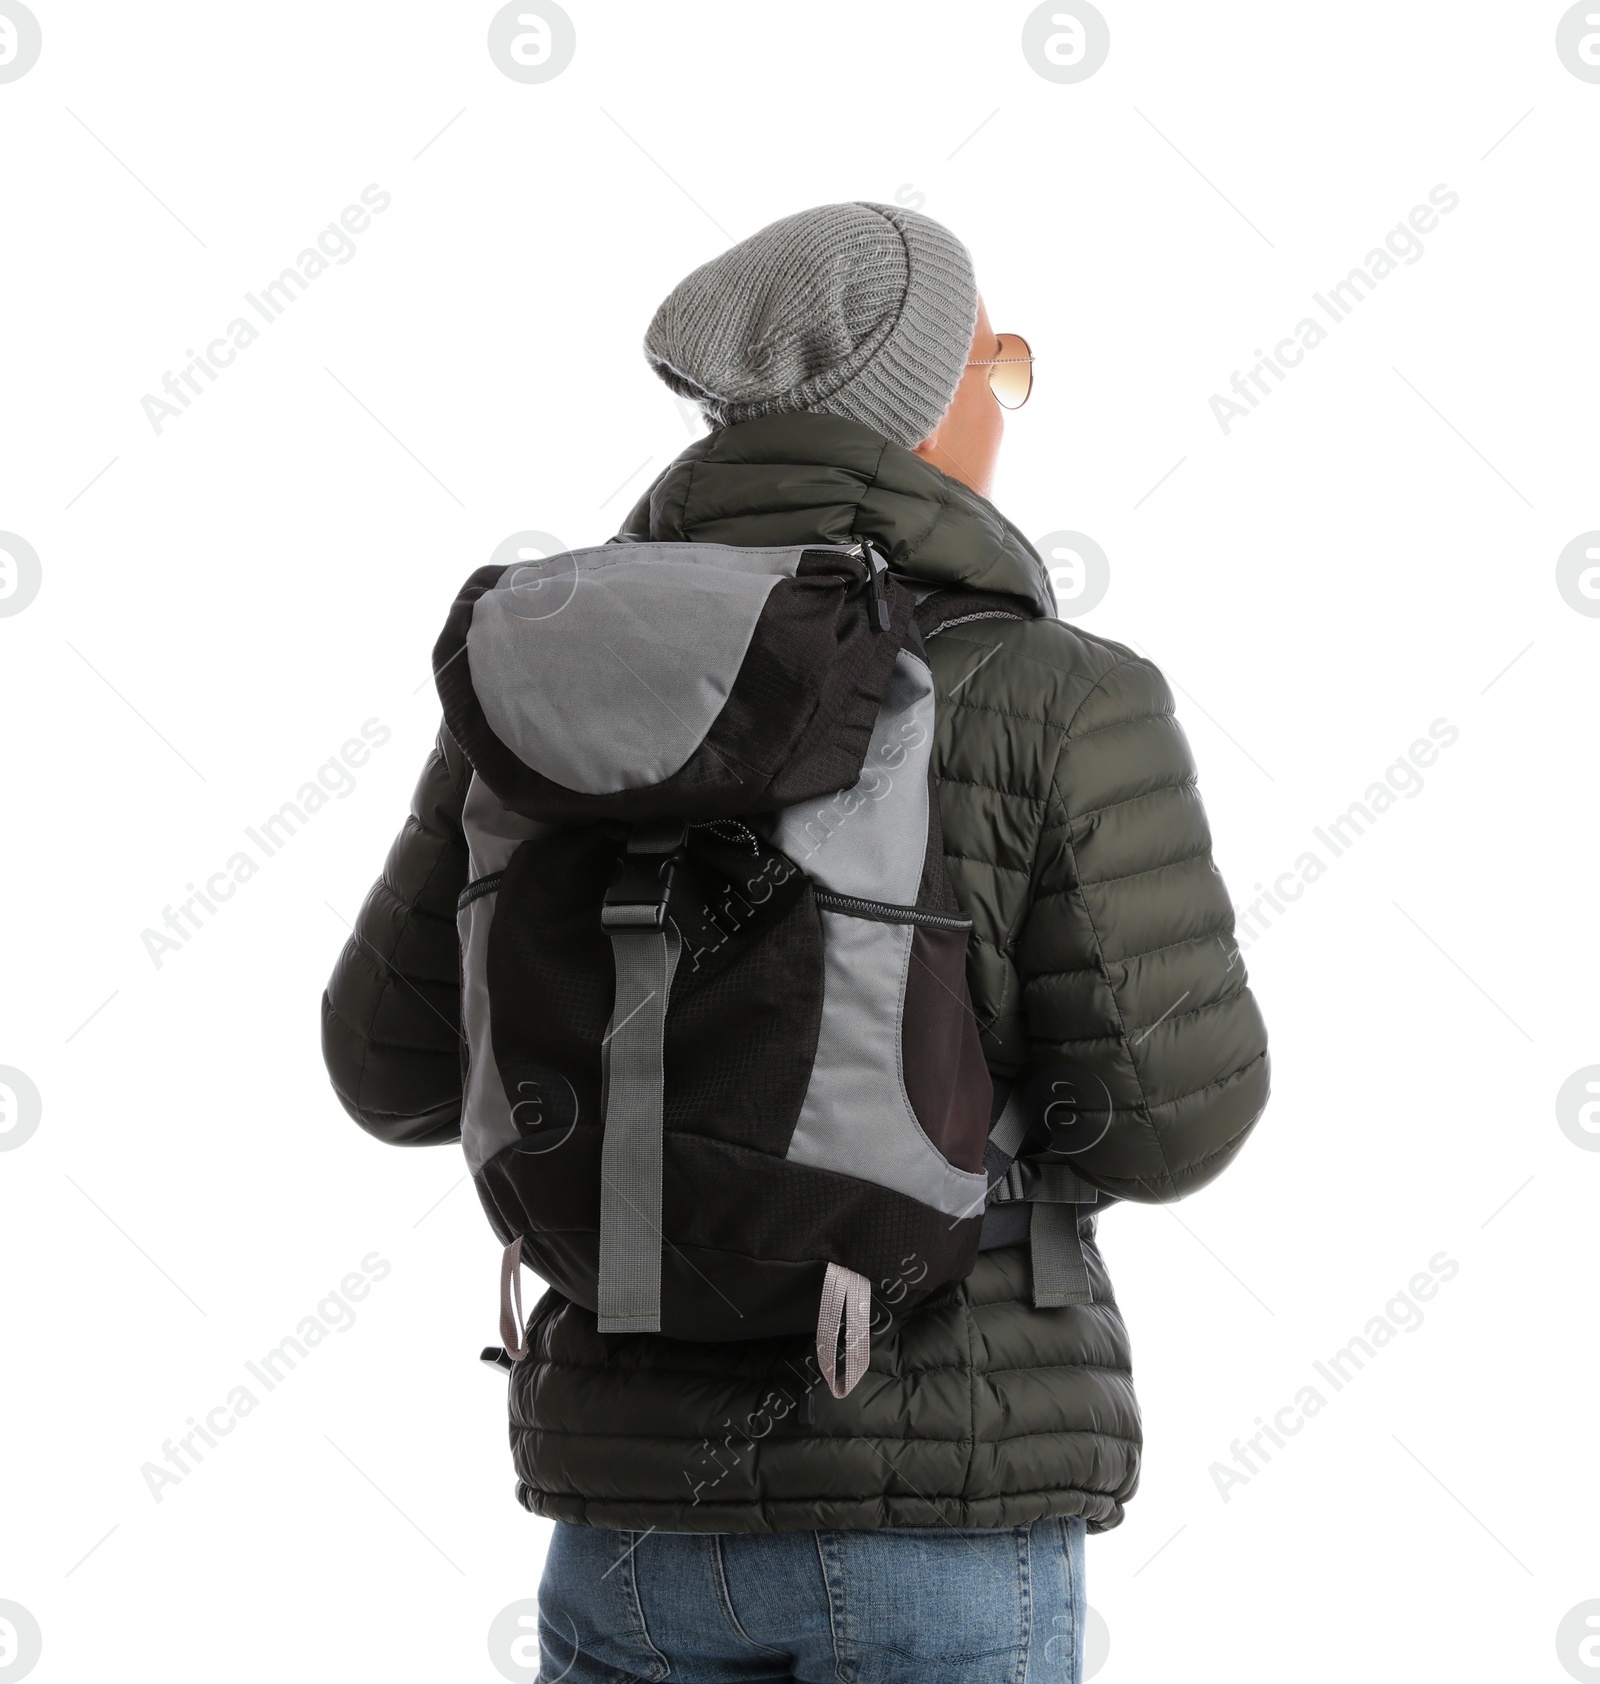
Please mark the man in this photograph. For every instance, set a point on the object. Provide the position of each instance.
(721, 1515)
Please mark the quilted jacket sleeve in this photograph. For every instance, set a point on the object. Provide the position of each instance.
(1131, 977)
(391, 1016)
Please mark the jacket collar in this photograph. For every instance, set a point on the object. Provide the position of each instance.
(801, 479)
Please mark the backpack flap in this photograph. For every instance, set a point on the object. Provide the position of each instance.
(697, 681)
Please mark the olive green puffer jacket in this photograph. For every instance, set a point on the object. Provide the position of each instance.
(1076, 841)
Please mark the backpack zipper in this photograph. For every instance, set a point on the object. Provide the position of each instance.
(746, 837)
(477, 889)
(877, 572)
(886, 912)
(876, 569)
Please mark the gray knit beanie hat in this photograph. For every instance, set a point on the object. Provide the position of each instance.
(859, 310)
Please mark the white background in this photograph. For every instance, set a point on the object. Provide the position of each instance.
(231, 598)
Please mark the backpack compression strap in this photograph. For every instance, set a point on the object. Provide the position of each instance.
(645, 948)
(1057, 1198)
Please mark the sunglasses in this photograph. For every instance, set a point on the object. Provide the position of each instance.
(1010, 373)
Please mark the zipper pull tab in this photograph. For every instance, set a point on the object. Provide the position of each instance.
(877, 572)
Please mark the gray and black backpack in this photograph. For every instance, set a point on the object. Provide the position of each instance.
(722, 1079)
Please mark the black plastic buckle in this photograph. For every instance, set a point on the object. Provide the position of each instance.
(641, 892)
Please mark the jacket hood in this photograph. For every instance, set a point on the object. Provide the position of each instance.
(821, 479)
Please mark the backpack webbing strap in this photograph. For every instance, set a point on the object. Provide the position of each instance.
(1007, 1131)
(1055, 1184)
(846, 1306)
(513, 1327)
(645, 948)
(1056, 1196)
(1060, 1271)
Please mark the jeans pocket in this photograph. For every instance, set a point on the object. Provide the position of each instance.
(936, 1606)
(589, 1613)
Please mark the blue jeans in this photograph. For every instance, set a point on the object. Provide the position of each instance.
(911, 1606)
